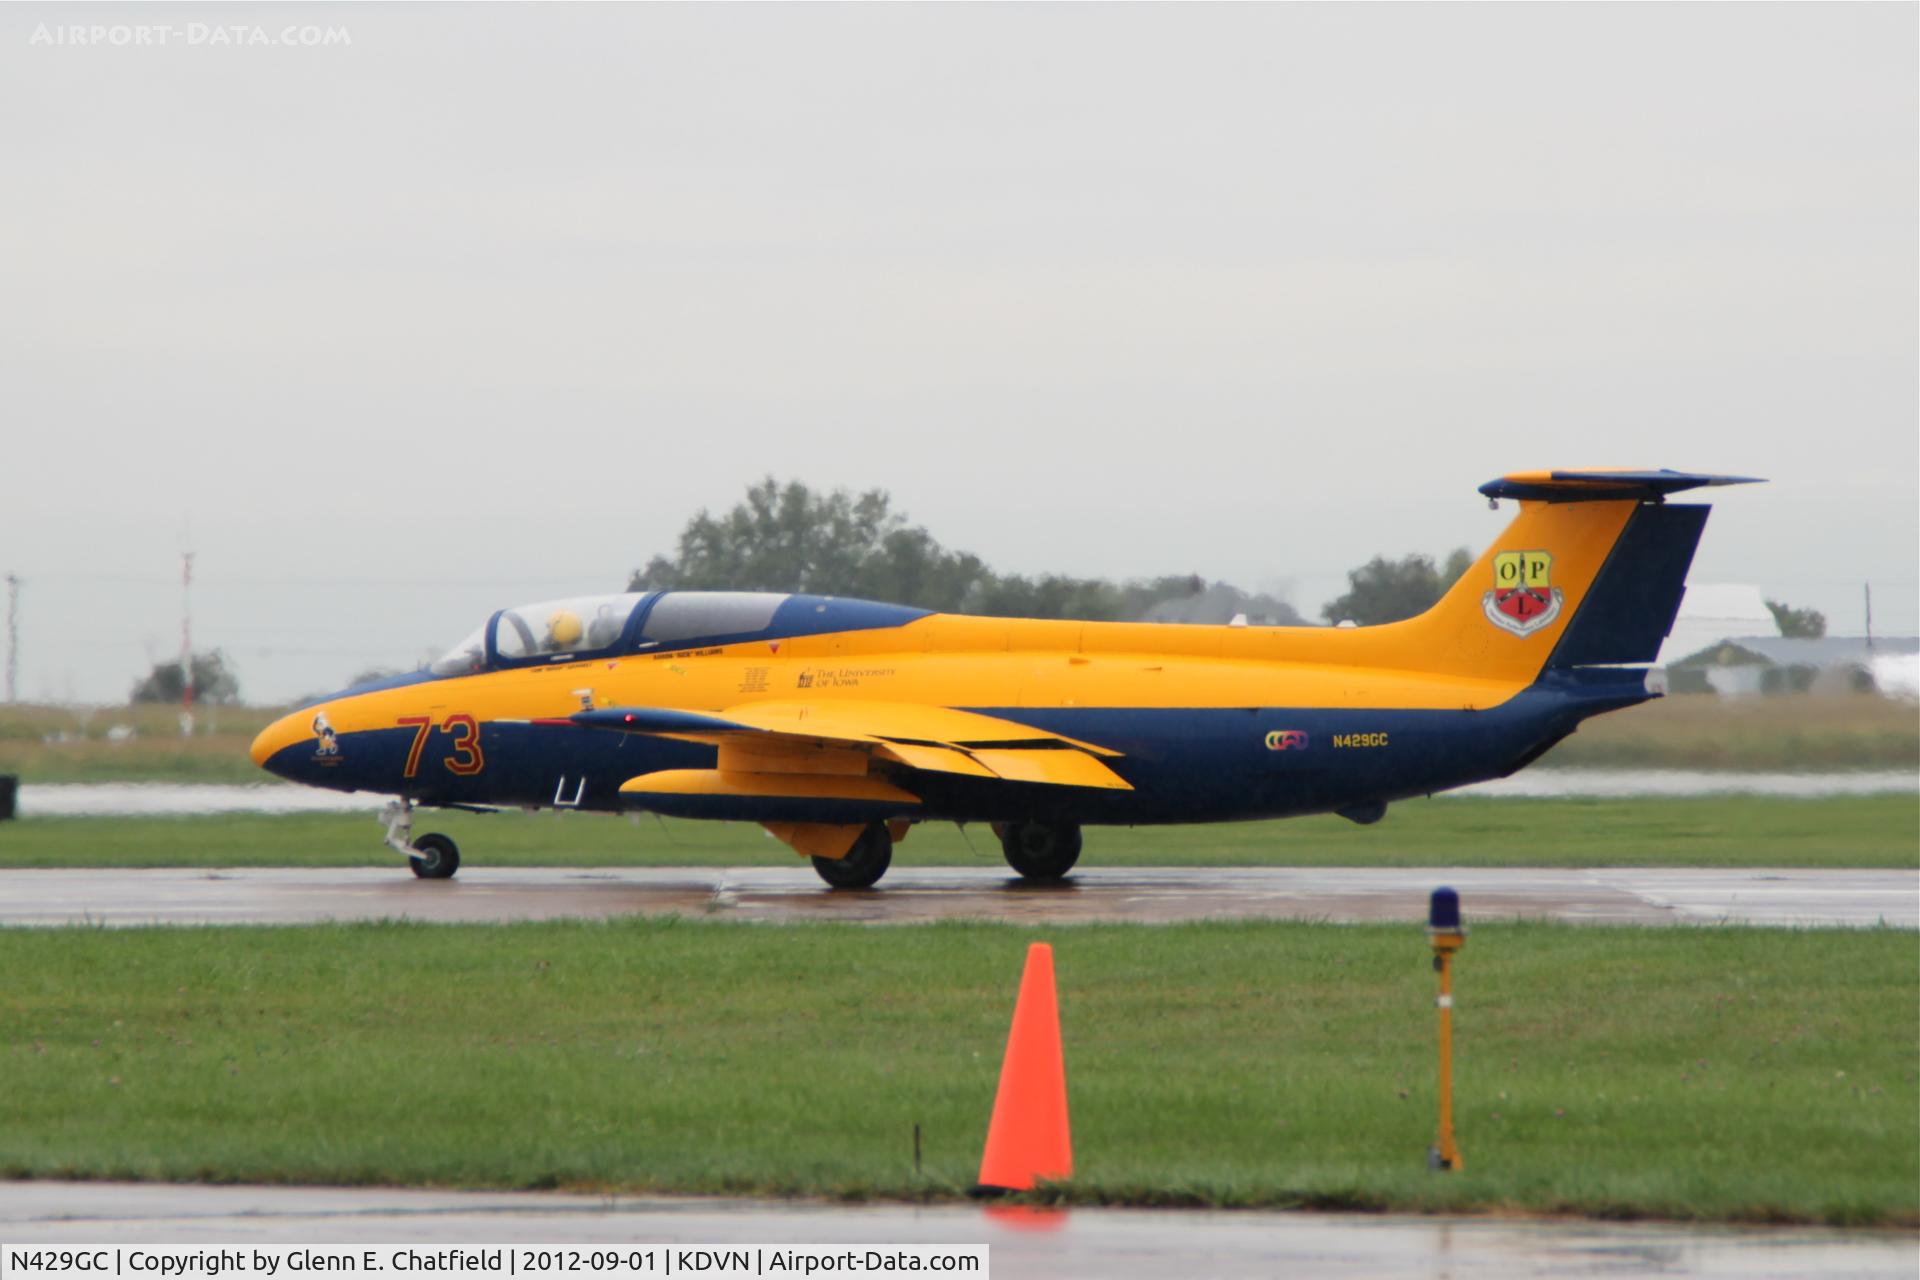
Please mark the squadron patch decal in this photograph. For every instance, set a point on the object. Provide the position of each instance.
(1523, 598)
(327, 748)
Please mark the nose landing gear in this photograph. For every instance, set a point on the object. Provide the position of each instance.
(432, 857)
(438, 857)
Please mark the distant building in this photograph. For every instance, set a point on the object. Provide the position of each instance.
(1714, 611)
(1220, 603)
(1896, 671)
(1783, 664)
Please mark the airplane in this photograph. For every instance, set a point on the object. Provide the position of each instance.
(840, 724)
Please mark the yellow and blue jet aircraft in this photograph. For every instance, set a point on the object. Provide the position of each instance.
(838, 724)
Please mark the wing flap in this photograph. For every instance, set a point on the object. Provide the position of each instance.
(1068, 768)
(917, 755)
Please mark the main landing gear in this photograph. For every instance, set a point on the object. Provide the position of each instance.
(1040, 851)
(432, 857)
(863, 864)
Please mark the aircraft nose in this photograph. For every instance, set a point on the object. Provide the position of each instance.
(277, 737)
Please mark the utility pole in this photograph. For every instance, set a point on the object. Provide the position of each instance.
(13, 637)
(1868, 588)
(186, 643)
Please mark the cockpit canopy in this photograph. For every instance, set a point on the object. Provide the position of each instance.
(552, 630)
(636, 622)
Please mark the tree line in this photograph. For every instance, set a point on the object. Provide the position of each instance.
(787, 537)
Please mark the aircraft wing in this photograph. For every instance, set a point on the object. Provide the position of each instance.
(841, 738)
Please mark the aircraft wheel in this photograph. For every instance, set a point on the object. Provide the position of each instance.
(437, 857)
(864, 864)
(1041, 850)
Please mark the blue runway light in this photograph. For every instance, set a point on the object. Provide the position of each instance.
(1447, 935)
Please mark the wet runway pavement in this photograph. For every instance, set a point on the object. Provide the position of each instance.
(1119, 1243)
(909, 895)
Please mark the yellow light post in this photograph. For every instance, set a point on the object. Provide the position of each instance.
(1448, 935)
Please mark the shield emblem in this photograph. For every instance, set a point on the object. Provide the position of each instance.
(1523, 598)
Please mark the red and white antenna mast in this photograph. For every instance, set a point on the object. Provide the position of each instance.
(13, 637)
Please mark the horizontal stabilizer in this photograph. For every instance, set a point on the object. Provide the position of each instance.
(1603, 486)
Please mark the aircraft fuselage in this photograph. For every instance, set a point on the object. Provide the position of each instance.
(1199, 739)
(837, 723)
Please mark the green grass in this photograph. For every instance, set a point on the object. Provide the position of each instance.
(67, 744)
(1706, 831)
(1806, 732)
(1726, 1073)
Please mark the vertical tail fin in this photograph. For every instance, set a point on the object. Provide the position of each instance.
(1590, 573)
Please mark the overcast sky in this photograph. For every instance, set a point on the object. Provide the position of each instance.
(481, 306)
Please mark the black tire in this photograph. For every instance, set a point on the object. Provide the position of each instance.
(438, 857)
(1041, 851)
(864, 864)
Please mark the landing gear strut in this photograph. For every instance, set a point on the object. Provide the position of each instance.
(432, 857)
(864, 864)
(1040, 851)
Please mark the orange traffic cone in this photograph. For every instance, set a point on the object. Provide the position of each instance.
(1027, 1138)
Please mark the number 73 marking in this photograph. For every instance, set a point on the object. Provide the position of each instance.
(465, 758)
